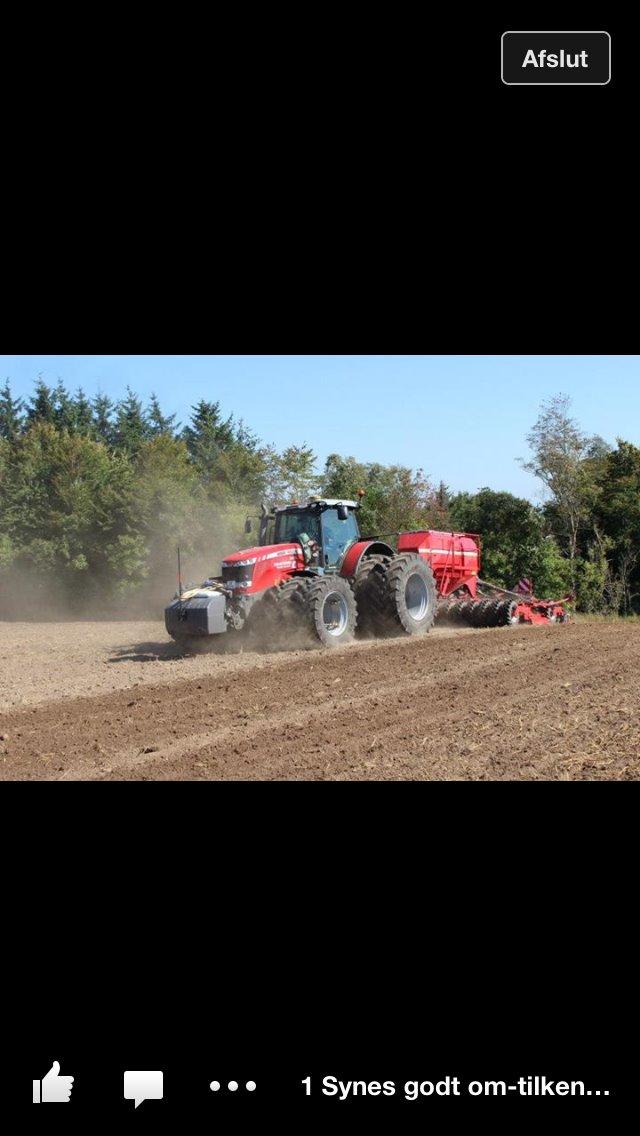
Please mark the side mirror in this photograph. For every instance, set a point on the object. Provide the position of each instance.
(248, 527)
(343, 513)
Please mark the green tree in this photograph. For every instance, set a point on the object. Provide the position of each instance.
(410, 500)
(296, 478)
(171, 509)
(346, 477)
(159, 423)
(41, 405)
(395, 498)
(67, 502)
(565, 460)
(6, 546)
(207, 436)
(7, 553)
(592, 574)
(131, 427)
(167, 490)
(550, 570)
(82, 413)
(11, 413)
(442, 506)
(514, 540)
(241, 475)
(64, 411)
(617, 525)
(103, 427)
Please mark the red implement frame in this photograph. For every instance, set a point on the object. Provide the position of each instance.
(455, 558)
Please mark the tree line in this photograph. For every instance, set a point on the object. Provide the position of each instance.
(95, 496)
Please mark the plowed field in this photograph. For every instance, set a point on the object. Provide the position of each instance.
(104, 701)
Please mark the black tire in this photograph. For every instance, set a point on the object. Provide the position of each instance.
(292, 617)
(292, 601)
(370, 590)
(332, 610)
(412, 596)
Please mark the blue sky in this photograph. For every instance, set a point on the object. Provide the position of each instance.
(462, 418)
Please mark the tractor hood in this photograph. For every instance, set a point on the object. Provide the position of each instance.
(255, 570)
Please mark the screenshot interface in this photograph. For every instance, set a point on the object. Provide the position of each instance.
(319, 684)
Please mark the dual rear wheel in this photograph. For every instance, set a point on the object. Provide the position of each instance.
(397, 595)
(412, 596)
(390, 595)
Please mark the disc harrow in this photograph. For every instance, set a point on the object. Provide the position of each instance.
(489, 611)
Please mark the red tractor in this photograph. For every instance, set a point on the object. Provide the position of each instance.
(313, 570)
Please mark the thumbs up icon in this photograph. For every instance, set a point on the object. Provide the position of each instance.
(53, 1089)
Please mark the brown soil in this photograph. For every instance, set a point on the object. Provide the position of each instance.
(116, 702)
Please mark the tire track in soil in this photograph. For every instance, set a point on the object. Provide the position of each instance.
(557, 703)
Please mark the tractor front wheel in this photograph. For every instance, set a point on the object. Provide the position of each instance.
(333, 612)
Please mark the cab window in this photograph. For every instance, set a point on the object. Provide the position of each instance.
(291, 526)
(337, 535)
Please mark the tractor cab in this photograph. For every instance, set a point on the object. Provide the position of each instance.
(326, 530)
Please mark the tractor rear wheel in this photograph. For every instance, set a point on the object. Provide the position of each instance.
(412, 596)
(371, 594)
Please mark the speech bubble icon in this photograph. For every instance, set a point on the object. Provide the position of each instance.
(140, 1087)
